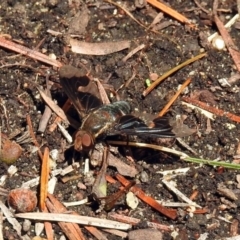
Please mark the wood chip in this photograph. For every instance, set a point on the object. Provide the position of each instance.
(102, 48)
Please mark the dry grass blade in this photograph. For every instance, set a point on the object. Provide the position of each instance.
(170, 11)
(44, 178)
(61, 217)
(173, 99)
(167, 74)
(146, 145)
(57, 120)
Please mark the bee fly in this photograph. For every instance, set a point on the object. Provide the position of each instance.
(103, 120)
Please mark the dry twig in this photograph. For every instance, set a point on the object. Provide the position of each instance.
(170, 12)
(171, 213)
(232, 48)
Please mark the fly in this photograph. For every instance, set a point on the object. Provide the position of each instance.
(103, 120)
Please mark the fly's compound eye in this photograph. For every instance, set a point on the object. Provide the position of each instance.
(86, 141)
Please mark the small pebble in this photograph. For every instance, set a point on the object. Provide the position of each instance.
(144, 177)
(22, 200)
(80, 185)
(54, 154)
(9, 150)
(39, 227)
(218, 43)
(132, 200)
(26, 225)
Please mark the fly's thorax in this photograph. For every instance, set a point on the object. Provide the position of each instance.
(122, 106)
(99, 121)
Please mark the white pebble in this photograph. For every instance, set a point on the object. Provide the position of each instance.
(218, 43)
(132, 200)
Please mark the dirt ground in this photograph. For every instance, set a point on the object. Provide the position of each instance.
(28, 22)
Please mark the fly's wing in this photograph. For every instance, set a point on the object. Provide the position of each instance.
(80, 89)
(132, 125)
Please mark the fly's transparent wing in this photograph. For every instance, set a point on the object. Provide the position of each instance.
(80, 89)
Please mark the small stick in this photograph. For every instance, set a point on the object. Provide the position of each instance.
(29, 122)
(28, 52)
(44, 119)
(47, 111)
(110, 179)
(211, 109)
(194, 195)
(167, 74)
(53, 105)
(126, 11)
(173, 99)
(201, 7)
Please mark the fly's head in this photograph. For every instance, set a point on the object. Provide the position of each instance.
(84, 141)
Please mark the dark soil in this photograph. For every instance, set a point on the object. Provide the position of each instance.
(27, 22)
